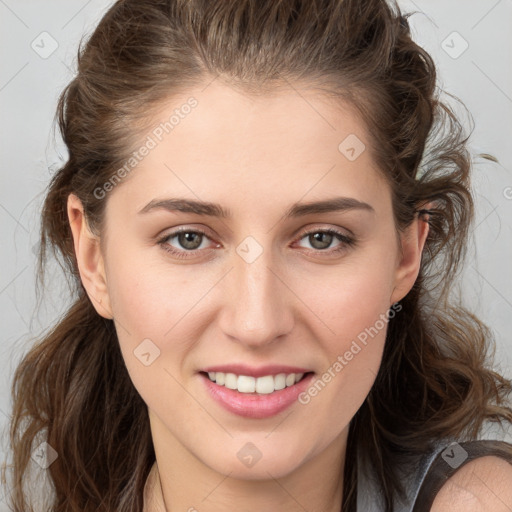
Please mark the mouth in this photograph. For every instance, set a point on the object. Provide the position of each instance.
(252, 396)
(247, 384)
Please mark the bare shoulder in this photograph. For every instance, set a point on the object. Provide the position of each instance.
(480, 485)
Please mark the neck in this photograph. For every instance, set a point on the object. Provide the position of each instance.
(180, 481)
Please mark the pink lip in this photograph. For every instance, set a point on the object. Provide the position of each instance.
(241, 369)
(253, 405)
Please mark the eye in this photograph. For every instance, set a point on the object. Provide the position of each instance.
(321, 239)
(188, 240)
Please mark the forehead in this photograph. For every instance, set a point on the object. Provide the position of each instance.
(293, 142)
(295, 119)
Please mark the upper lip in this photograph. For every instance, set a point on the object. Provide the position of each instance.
(260, 371)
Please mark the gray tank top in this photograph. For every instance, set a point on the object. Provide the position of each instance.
(433, 469)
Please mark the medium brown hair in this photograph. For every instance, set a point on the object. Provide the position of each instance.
(435, 379)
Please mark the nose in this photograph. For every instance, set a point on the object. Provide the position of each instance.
(257, 309)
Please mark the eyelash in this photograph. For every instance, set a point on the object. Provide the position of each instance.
(347, 241)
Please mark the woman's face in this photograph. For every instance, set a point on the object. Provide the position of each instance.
(264, 290)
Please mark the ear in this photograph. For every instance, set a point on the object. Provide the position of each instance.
(412, 243)
(89, 258)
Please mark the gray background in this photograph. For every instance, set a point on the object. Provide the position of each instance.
(38, 42)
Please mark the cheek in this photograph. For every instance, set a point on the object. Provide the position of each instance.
(158, 310)
(352, 295)
(355, 306)
(147, 304)
(141, 305)
(358, 319)
(354, 356)
(145, 296)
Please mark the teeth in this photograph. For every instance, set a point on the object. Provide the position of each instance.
(280, 381)
(290, 379)
(231, 381)
(265, 385)
(247, 384)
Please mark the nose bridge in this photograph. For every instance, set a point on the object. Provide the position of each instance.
(257, 311)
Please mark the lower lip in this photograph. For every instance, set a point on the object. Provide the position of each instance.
(255, 405)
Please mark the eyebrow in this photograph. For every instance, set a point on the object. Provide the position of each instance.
(337, 204)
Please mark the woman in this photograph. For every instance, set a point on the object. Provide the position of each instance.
(263, 230)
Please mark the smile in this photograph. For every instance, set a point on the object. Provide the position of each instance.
(247, 384)
(255, 397)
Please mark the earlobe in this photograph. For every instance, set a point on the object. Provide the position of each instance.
(89, 258)
(412, 242)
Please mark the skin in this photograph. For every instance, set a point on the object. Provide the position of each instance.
(295, 304)
(478, 486)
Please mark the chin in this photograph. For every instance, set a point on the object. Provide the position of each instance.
(258, 460)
